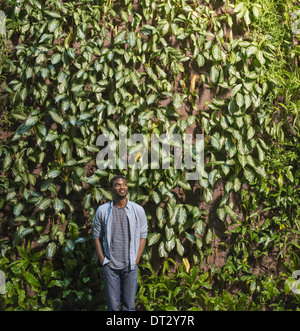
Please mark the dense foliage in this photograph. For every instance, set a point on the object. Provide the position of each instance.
(71, 70)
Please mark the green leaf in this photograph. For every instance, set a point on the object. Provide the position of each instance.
(40, 58)
(236, 184)
(23, 232)
(64, 147)
(242, 148)
(29, 72)
(164, 26)
(214, 74)
(169, 232)
(170, 244)
(58, 205)
(215, 141)
(213, 176)
(182, 216)
(120, 37)
(239, 121)
(251, 50)
(53, 25)
(135, 78)
(247, 17)
(230, 212)
(240, 101)
(45, 204)
(54, 173)
(50, 250)
(106, 193)
(199, 244)
(162, 250)
(55, 58)
(87, 201)
(156, 198)
(208, 195)
(229, 185)
(31, 280)
(41, 129)
(132, 39)
(242, 160)
(209, 237)
(221, 213)
(56, 117)
(43, 239)
(199, 227)
(54, 14)
(184, 185)
(261, 171)
(18, 209)
(236, 89)
(77, 88)
(153, 238)
(261, 153)
(216, 53)
(160, 213)
(7, 162)
(151, 98)
(241, 7)
(249, 175)
(200, 60)
(250, 133)
(289, 284)
(256, 9)
(177, 101)
(46, 185)
(148, 29)
(179, 247)
(260, 57)
(62, 76)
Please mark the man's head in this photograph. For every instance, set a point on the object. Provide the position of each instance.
(119, 187)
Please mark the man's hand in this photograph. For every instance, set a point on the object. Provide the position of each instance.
(141, 250)
(99, 250)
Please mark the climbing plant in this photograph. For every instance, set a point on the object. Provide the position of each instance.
(78, 69)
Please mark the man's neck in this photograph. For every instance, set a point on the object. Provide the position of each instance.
(120, 203)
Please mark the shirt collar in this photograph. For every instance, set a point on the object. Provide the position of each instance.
(128, 205)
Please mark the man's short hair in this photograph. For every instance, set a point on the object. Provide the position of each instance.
(116, 178)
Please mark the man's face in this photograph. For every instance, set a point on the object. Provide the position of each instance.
(120, 188)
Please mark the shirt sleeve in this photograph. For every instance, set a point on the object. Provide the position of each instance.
(144, 224)
(97, 225)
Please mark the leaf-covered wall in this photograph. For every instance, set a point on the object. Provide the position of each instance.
(73, 70)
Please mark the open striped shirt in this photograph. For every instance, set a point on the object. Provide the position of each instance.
(120, 239)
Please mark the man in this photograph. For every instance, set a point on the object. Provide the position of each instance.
(120, 233)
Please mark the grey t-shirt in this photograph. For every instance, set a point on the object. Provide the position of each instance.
(120, 239)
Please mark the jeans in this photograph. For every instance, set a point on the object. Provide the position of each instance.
(120, 287)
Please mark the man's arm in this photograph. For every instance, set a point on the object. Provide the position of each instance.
(98, 235)
(143, 233)
(99, 250)
(141, 249)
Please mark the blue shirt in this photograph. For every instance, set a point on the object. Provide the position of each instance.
(120, 239)
(137, 225)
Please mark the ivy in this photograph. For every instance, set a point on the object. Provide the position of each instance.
(72, 71)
